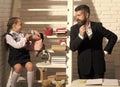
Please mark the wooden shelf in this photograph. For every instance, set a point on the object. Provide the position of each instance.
(56, 37)
(39, 22)
(38, 9)
(41, 65)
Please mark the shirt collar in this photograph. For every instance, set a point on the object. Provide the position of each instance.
(14, 32)
(89, 26)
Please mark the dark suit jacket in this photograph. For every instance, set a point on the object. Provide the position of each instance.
(90, 52)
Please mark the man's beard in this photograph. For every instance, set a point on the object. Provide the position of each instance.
(83, 22)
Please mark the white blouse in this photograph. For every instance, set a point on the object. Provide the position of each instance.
(17, 40)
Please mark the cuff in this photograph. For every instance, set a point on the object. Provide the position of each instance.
(81, 36)
(105, 52)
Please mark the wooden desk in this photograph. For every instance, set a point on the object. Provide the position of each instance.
(43, 68)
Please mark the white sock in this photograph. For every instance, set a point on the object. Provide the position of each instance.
(14, 79)
(30, 76)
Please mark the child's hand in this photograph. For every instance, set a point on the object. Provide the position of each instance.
(27, 36)
(36, 35)
(30, 42)
(36, 32)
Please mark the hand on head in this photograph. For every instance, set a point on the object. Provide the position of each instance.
(27, 36)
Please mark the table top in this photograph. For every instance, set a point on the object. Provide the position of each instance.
(43, 65)
(82, 83)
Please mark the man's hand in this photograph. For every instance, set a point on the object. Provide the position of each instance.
(82, 30)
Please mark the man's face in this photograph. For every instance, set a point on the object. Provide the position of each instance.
(81, 17)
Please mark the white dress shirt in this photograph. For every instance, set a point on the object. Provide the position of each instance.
(17, 40)
(89, 33)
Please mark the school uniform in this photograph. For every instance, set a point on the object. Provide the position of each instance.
(17, 48)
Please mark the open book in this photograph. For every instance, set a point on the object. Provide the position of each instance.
(94, 82)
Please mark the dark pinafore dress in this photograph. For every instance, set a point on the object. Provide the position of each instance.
(18, 56)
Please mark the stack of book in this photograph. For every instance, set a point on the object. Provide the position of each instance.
(61, 31)
(61, 76)
(58, 60)
(58, 76)
(58, 47)
(52, 77)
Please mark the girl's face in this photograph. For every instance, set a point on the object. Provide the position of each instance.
(17, 27)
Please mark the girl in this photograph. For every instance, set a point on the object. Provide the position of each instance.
(18, 54)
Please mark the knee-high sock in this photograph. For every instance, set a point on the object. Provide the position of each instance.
(14, 79)
(30, 77)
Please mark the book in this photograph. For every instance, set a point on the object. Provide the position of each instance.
(51, 77)
(59, 57)
(60, 73)
(110, 82)
(59, 32)
(59, 63)
(62, 59)
(61, 76)
(58, 47)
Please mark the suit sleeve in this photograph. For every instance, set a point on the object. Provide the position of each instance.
(75, 40)
(112, 38)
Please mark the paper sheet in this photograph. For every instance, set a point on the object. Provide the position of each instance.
(110, 82)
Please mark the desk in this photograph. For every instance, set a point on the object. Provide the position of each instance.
(43, 68)
(77, 83)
